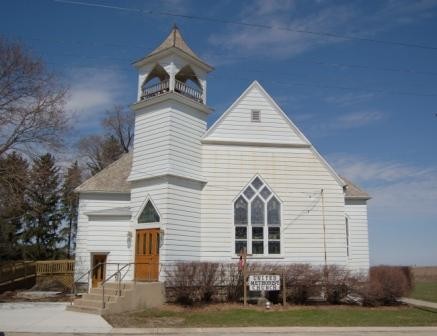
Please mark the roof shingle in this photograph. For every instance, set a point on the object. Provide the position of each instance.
(111, 179)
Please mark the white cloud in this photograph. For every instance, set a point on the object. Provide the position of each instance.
(364, 170)
(93, 91)
(397, 188)
(358, 119)
(348, 99)
(348, 19)
(347, 121)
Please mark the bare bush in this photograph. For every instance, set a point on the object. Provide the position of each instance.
(181, 278)
(232, 280)
(193, 281)
(338, 283)
(207, 280)
(386, 284)
(302, 281)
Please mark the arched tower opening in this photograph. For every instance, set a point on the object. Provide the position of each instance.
(156, 82)
(188, 84)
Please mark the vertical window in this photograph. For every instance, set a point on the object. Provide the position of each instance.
(144, 243)
(240, 221)
(257, 220)
(257, 211)
(240, 211)
(347, 236)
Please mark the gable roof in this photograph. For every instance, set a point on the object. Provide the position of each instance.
(112, 179)
(352, 191)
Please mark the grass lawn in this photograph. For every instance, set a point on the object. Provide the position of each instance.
(234, 316)
(425, 291)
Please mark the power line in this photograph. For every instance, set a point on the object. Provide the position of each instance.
(118, 46)
(250, 24)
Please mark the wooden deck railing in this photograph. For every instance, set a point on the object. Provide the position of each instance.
(54, 267)
(16, 271)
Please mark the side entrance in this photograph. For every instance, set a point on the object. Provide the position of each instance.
(99, 269)
(147, 255)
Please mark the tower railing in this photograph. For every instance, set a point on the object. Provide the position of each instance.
(156, 89)
(188, 91)
(164, 87)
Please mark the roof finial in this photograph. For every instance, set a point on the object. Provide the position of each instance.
(175, 26)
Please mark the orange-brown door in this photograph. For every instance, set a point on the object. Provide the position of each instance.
(147, 255)
(100, 270)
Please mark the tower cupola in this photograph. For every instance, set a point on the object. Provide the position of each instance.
(172, 67)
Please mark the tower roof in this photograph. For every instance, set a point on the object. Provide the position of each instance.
(174, 40)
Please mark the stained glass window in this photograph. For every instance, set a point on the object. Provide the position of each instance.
(273, 212)
(257, 211)
(149, 214)
(249, 193)
(265, 192)
(257, 183)
(257, 219)
(240, 211)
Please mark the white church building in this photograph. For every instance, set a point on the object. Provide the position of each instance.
(187, 192)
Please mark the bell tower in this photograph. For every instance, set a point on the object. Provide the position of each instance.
(170, 112)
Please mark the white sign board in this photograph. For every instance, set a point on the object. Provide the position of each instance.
(264, 283)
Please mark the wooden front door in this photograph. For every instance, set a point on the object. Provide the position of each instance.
(147, 255)
(99, 273)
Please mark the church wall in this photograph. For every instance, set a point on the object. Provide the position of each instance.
(151, 142)
(87, 238)
(237, 125)
(356, 211)
(297, 176)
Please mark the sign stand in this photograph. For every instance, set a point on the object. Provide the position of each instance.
(284, 289)
(243, 256)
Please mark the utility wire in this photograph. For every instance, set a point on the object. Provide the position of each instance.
(119, 46)
(249, 24)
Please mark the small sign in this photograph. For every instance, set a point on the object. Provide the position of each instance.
(264, 282)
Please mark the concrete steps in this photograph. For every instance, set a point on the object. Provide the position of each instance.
(132, 296)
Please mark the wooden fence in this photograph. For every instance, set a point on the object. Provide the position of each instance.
(15, 275)
(61, 271)
(24, 274)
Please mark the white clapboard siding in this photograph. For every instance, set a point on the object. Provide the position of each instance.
(183, 231)
(356, 210)
(167, 141)
(87, 237)
(229, 168)
(236, 123)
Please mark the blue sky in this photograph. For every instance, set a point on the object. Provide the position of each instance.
(368, 107)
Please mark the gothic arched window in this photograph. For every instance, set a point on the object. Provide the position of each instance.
(257, 220)
(149, 214)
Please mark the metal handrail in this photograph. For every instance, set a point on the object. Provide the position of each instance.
(81, 277)
(119, 277)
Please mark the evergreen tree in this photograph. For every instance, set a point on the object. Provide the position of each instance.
(13, 182)
(70, 204)
(44, 217)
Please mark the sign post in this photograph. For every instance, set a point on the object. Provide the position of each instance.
(243, 259)
(284, 289)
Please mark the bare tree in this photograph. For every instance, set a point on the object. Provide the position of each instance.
(119, 123)
(99, 151)
(31, 101)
